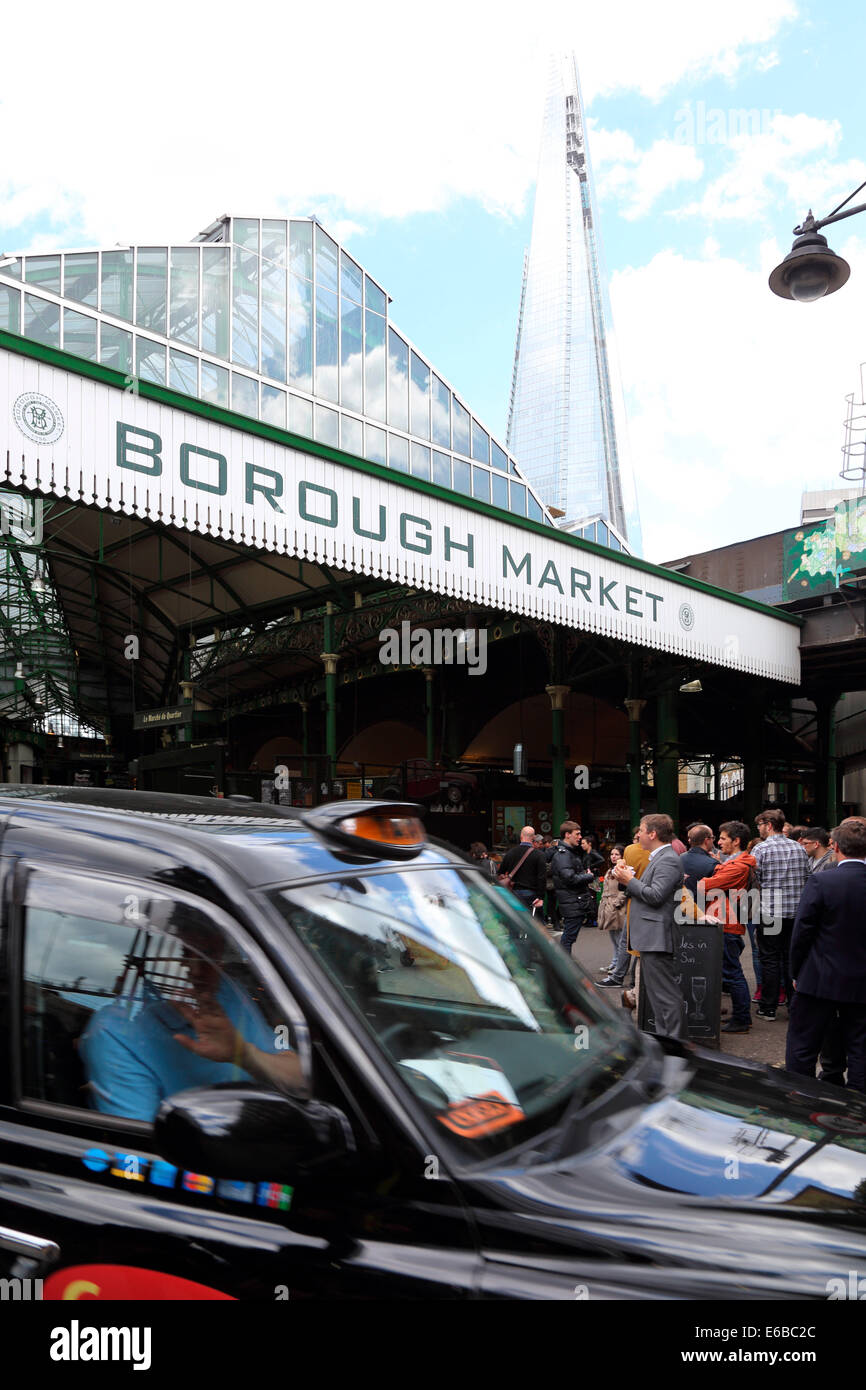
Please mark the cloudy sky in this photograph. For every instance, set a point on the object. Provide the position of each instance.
(412, 132)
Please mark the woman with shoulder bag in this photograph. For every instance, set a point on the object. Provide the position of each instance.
(612, 907)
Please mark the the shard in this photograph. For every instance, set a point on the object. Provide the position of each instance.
(561, 425)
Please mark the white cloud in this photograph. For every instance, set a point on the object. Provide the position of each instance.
(649, 48)
(610, 146)
(635, 179)
(793, 158)
(127, 127)
(736, 398)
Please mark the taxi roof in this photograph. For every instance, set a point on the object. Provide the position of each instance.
(199, 811)
(263, 844)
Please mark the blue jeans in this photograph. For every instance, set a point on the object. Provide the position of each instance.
(624, 965)
(756, 958)
(734, 979)
(615, 935)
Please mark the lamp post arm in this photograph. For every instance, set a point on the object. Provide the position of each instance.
(839, 216)
(810, 225)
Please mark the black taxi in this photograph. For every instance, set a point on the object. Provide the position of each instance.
(253, 1053)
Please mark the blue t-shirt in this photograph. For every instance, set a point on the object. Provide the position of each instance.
(133, 1061)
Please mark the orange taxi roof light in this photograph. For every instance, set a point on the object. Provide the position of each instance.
(402, 831)
(385, 829)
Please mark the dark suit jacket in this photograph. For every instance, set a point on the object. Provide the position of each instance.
(828, 944)
(654, 897)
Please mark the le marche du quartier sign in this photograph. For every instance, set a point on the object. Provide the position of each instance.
(124, 452)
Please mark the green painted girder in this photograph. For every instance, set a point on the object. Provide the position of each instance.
(212, 572)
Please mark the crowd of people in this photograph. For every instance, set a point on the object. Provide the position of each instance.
(796, 893)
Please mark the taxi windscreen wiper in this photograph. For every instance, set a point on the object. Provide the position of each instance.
(592, 1111)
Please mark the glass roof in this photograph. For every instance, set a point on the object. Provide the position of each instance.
(272, 318)
(39, 676)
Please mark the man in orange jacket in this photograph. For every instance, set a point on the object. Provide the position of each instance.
(723, 897)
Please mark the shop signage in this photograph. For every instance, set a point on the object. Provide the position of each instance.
(162, 718)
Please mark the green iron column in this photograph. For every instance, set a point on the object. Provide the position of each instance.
(428, 710)
(667, 770)
(753, 767)
(634, 709)
(558, 695)
(330, 658)
(828, 790)
(305, 737)
(186, 689)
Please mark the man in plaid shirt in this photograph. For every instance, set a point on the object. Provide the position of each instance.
(782, 868)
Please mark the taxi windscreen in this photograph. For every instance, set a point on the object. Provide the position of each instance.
(484, 1018)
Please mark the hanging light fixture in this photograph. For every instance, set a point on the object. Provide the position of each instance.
(519, 760)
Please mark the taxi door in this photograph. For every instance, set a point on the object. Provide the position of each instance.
(104, 977)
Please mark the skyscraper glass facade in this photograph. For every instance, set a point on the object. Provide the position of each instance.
(561, 422)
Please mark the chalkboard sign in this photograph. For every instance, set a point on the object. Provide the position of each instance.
(698, 971)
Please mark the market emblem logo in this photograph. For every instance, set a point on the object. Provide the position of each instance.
(38, 418)
(687, 617)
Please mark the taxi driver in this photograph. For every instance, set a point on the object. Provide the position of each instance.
(139, 1050)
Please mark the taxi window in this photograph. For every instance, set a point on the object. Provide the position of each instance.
(130, 996)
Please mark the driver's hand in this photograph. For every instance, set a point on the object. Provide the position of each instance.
(217, 1038)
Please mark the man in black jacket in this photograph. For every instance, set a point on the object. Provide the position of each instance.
(828, 960)
(528, 867)
(572, 879)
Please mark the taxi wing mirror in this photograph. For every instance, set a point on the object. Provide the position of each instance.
(247, 1132)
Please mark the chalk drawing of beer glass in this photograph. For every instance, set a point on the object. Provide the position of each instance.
(699, 994)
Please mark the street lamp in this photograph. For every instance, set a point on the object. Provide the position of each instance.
(811, 269)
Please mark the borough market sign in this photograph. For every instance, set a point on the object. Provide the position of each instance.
(70, 430)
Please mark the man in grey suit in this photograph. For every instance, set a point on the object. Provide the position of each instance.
(651, 921)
